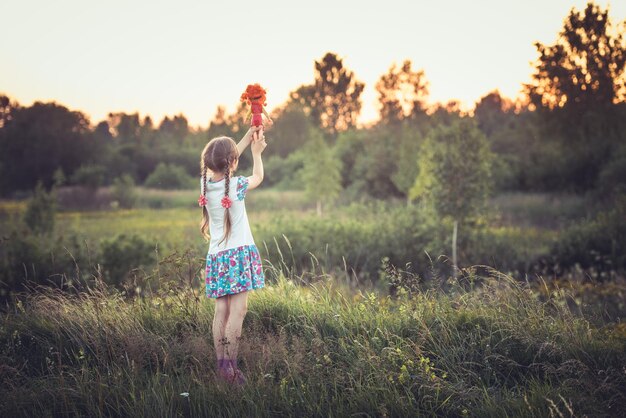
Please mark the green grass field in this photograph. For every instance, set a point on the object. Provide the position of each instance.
(317, 350)
(316, 344)
(529, 220)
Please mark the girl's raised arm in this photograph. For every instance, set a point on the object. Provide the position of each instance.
(257, 148)
(247, 138)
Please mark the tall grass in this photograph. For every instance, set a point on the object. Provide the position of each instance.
(320, 349)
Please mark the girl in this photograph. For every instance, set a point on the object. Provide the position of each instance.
(233, 264)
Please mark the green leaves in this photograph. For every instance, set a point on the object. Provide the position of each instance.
(41, 211)
(584, 68)
(454, 166)
(321, 172)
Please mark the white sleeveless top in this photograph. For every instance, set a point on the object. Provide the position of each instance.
(240, 234)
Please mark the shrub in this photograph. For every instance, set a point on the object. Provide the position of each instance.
(123, 253)
(124, 191)
(58, 177)
(362, 241)
(599, 243)
(509, 249)
(43, 260)
(285, 173)
(91, 176)
(41, 209)
(612, 178)
(170, 176)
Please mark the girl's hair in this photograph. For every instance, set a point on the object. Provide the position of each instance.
(218, 156)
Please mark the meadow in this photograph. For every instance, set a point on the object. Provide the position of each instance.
(340, 329)
(372, 305)
(285, 222)
(322, 349)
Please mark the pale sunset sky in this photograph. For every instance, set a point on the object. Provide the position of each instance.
(164, 58)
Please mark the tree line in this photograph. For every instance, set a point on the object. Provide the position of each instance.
(566, 133)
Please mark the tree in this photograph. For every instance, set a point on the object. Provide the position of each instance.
(584, 69)
(177, 127)
(575, 87)
(7, 107)
(321, 172)
(402, 93)
(290, 130)
(368, 160)
(102, 132)
(125, 126)
(408, 150)
(445, 113)
(37, 140)
(491, 111)
(333, 100)
(219, 123)
(454, 172)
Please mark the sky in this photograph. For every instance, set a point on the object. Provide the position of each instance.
(163, 58)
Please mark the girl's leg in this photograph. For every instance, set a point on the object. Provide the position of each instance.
(219, 325)
(238, 307)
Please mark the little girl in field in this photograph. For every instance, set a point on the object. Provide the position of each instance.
(233, 264)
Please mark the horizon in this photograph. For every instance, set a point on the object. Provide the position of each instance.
(72, 53)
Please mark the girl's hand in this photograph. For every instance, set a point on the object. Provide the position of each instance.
(259, 145)
(252, 130)
(247, 139)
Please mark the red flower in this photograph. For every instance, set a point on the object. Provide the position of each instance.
(202, 200)
(226, 202)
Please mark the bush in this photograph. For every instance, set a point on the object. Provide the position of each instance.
(400, 234)
(359, 236)
(612, 178)
(284, 173)
(58, 177)
(124, 191)
(598, 244)
(123, 253)
(508, 249)
(41, 209)
(91, 176)
(170, 176)
(43, 260)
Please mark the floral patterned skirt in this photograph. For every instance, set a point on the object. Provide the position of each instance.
(233, 271)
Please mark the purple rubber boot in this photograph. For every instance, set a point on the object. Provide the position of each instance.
(239, 378)
(225, 371)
